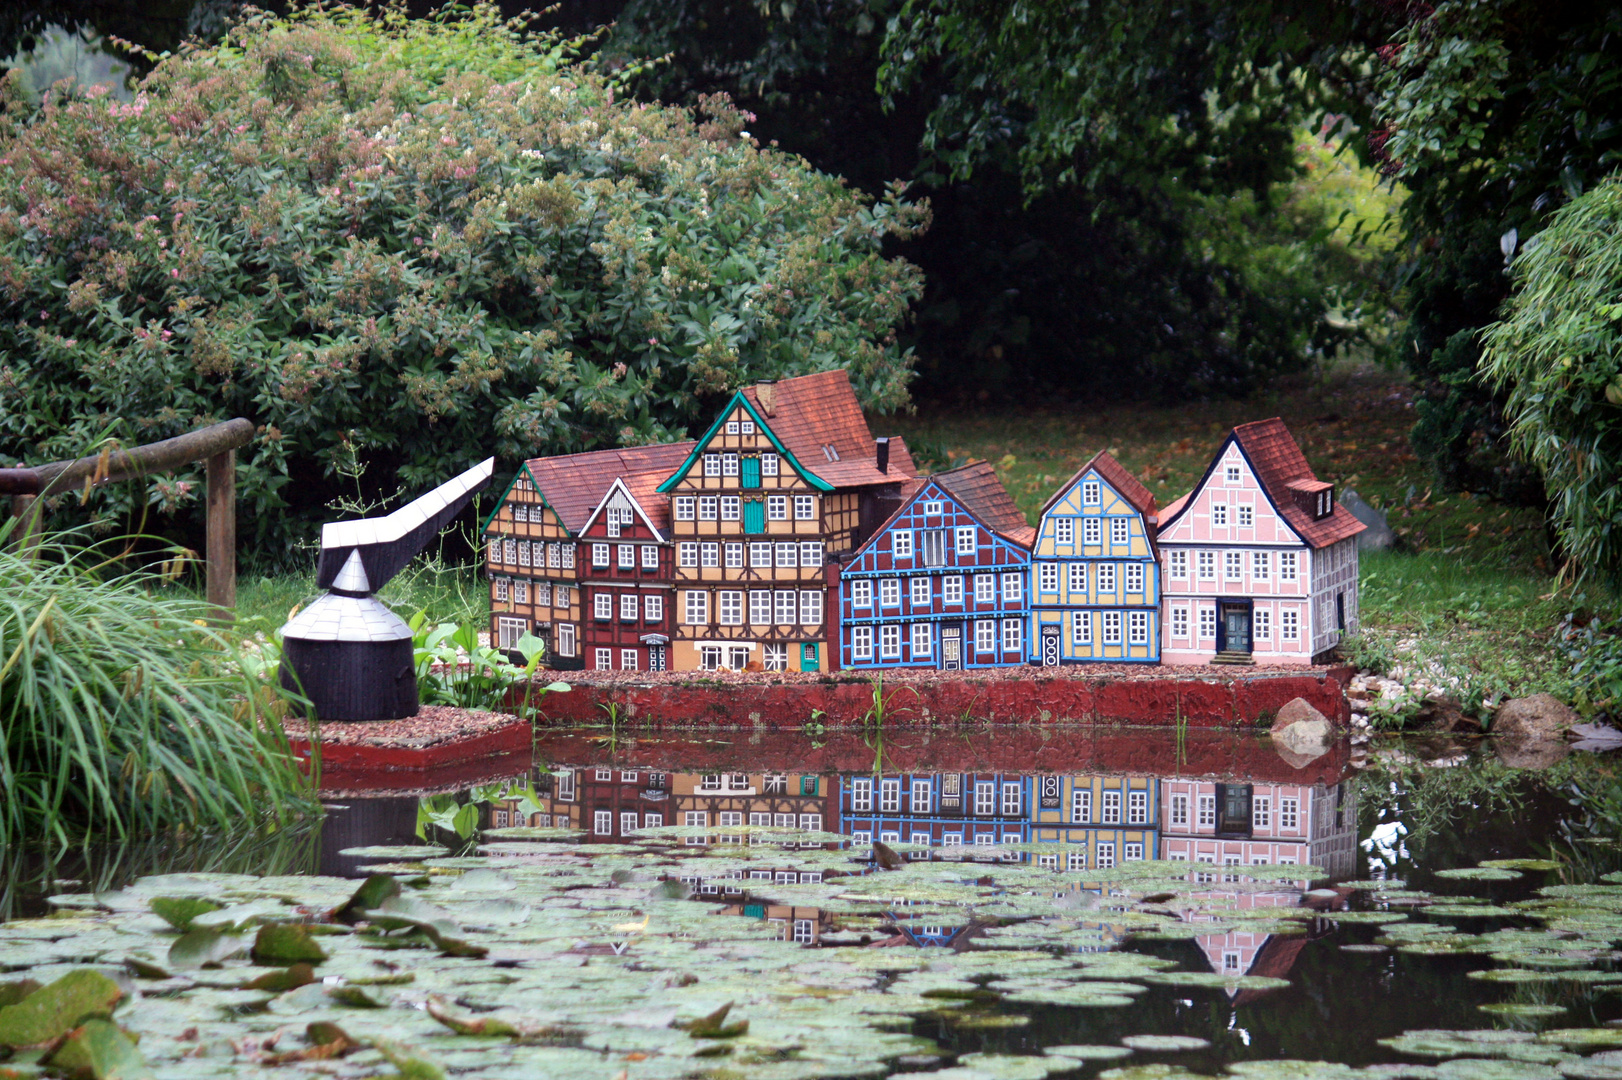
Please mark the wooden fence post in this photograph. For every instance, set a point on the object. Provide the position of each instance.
(221, 539)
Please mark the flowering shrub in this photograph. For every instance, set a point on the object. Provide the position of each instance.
(347, 231)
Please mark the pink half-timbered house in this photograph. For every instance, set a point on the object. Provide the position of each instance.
(1232, 825)
(1258, 563)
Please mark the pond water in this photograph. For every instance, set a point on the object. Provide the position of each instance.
(995, 904)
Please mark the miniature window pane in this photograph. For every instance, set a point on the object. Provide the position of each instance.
(629, 607)
(788, 555)
(566, 639)
(1106, 577)
(890, 649)
(1207, 623)
(861, 644)
(1179, 564)
(520, 592)
(1090, 493)
(932, 508)
(760, 554)
(933, 543)
(1179, 622)
(1081, 805)
(1261, 812)
(628, 662)
(732, 427)
(603, 606)
(561, 598)
(1247, 515)
(923, 644)
(731, 508)
(709, 554)
(775, 657)
(1013, 588)
(985, 588)
(805, 508)
(1077, 572)
(697, 611)
(918, 591)
(861, 593)
(734, 556)
(1261, 565)
(1119, 530)
(777, 507)
(1047, 577)
(1207, 565)
(890, 592)
(1290, 623)
(1138, 628)
(1134, 577)
(784, 602)
(768, 464)
(985, 797)
(1012, 798)
(1179, 809)
(811, 553)
(985, 635)
(523, 553)
(952, 589)
(712, 464)
(1106, 854)
(1112, 627)
(501, 588)
(1231, 474)
(599, 555)
(901, 543)
(650, 557)
(1081, 627)
(729, 464)
(1092, 531)
(1064, 530)
(627, 556)
(687, 554)
(684, 507)
(760, 607)
(509, 551)
(1286, 565)
(811, 607)
(1264, 624)
(965, 540)
(1289, 814)
(1012, 634)
(543, 594)
(653, 607)
(708, 506)
(1207, 811)
(1219, 513)
(603, 660)
(729, 607)
(1233, 566)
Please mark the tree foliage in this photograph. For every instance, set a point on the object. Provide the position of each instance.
(415, 242)
(1557, 353)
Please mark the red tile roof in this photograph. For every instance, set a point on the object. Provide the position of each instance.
(976, 486)
(574, 484)
(818, 418)
(1122, 481)
(1280, 466)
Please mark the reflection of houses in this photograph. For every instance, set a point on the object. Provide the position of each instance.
(1258, 563)
(942, 583)
(617, 801)
(943, 809)
(555, 793)
(1232, 824)
(779, 800)
(1095, 589)
(793, 922)
(1102, 819)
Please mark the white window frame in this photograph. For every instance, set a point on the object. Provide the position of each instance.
(1134, 578)
(629, 607)
(1091, 493)
(1081, 627)
(923, 640)
(1064, 531)
(696, 608)
(861, 642)
(602, 605)
(918, 591)
(1013, 589)
(1092, 532)
(1179, 810)
(1081, 805)
(889, 592)
(1111, 628)
(777, 508)
(861, 593)
(686, 507)
(1137, 807)
(1208, 621)
(1120, 531)
(805, 508)
(1219, 514)
(985, 588)
(1106, 577)
(1206, 563)
(602, 659)
(966, 540)
(1047, 577)
(1013, 635)
(1178, 563)
(1233, 565)
(890, 641)
(1137, 628)
(901, 543)
(985, 636)
(952, 589)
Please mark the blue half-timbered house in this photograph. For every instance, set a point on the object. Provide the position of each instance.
(1095, 580)
(944, 582)
(945, 810)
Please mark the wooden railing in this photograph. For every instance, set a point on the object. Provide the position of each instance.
(216, 445)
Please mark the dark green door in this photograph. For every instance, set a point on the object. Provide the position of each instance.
(751, 472)
(1233, 803)
(754, 515)
(1236, 627)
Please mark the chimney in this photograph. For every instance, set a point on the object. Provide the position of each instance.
(881, 453)
(766, 394)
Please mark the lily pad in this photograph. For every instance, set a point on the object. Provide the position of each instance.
(100, 1049)
(1162, 1044)
(205, 948)
(1478, 873)
(1520, 1008)
(53, 1010)
(1217, 980)
(1583, 1038)
(179, 911)
(286, 943)
(1081, 1052)
(1532, 865)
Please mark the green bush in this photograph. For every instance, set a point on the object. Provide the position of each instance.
(1558, 352)
(123, 713)
(418, 242)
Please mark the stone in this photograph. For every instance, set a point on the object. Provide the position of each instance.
(1301, 733)
(1541, 716)
(1378, 536)
(1445, 715)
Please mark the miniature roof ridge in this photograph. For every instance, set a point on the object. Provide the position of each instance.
(1126, 485)
(574, 485)
(976, 486)
(810, 412)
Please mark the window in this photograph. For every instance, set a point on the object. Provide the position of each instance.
(804, 930)
(1231, 474)
(777, 508)
(1179, 564)
(889, 796)
(627, 823)
(1092, 531)
(985, 589)
(1106, 854)
(1013, 589)
(1137, 807)
(1264, 624)
(561, 597)
(1132, 852)
(861, 794)
(918, 591)
(1064, 530)
(626, 556)
(709, 554)
(861, 836)
(1286, 565)
(985, 797)
(932, 508)
(952, 589)
(919, 804)
(1179, 622)
(985, 635)
(684, 507)
(808, 786)
(734, 556)
(1207, 623)
(707, 507)
(1261, 816)
(901, 543)
(1106, 577)
(1219, 513)
(923, 640)
(1013, 799)
(774, 657)
(952, 839)
(1233, 565)
(603, 660)
(760, 607)
(1134, 577)
(603, 823)
(811, 553)
(890, 592)
(1047, 577)
(1137, 628)
(1081, 805)
(602, 605)
(650, 557)
(1290, 625)
(628, 607)
(523, 553)
(1081, 627)
(1012, 632)
(1112, 627)
(783, 602)
(565, 638)
(1206, 561)
(1179, 810)
(697, 611)
(805, 508)
(712, 464)
(709, 657)
(768, 464)
(1090, 491)
(509, 550)
(1111, 808)
(508, 631)
(1075, 860)
(731, 507)
(543, 594)
(965, 540)
(811, 607)
(732, 427)
(861, 593)
(1207, 805)
(1289, 811)
(933, 544)
(760, 554)
(566, 551)
(501, 588)
(890, 642)
(729, 464)
(687, 554)
(1261, 565)
(1119, 530)
(861, 642)
(1247, 515)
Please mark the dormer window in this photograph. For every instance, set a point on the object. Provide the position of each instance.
(829, 452)
(1326, 502)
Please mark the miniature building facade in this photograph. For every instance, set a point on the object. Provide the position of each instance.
(947, 810)
(626, 582)
(1099, 820)
(1238, 824)
(778, 800)
(1258, 562)
(943, 583)
(530, 564)
(1095, 588)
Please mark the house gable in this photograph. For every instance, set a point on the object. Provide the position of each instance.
(620, 499)
(521, 490)
(1230, 481)
(738, 411)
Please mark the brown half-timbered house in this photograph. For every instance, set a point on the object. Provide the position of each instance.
(787, 476)
(779, 800)
(530, 564)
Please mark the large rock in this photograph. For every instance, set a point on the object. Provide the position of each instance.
(1541, 716)
(1301, 733)
(1378, 536)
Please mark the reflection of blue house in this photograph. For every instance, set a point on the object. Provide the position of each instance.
(1100, 820)
(944, 582)
(928, 935)
(940, 809)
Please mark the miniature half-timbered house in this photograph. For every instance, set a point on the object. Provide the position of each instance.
(943, 582)
(948, 810)
(1100, 820)
(1258, 562)
(548, 577)
(786, 477)
(1095, 588)
(617, 801)
(780, 800)
(1231, 825)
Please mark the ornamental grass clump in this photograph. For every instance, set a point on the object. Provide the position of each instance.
(414, 242)
(123, 713)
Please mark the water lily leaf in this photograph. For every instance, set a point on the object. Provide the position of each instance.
(143, 968)
(51, 1011)
(1294, 1070)
(373, 892)
(1081, 1052)
(100, 1049)
(1364, 948)
(1470, 911)
(1375, 917)
(286, 943)
(1161, 1044)
(1479, 873)
(412, 1064)
(1156, 1071)
(484, 880)
(327, 1041)
(713, 1026)
(357, 997)
(179, 911)
(1217, 980)
(1533, 865)
(205, 948)
(1519, 1008)
(238, 916)
(993, 1021)
(279, 982)
(1488, 1069)
(1583, 1038)
(1009, 1066)
(13, 992)
(395, 851)
(1525, 975)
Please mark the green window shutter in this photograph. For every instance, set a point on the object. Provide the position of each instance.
(751, 472)
(754, 515)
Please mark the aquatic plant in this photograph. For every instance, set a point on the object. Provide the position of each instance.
(123, 713)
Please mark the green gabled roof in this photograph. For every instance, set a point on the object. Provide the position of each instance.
(502, 501)
(738, 398)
